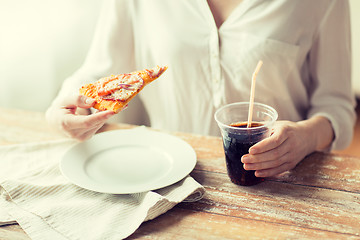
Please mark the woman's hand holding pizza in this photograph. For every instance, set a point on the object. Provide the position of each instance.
(72, 116)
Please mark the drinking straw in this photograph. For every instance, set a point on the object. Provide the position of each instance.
(252, 93)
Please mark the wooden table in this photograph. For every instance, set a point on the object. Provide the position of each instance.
(319, 199)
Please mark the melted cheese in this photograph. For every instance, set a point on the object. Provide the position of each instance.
(119, 87)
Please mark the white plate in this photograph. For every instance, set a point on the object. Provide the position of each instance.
(128, 161)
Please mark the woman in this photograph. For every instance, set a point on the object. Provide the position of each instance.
(212, 48)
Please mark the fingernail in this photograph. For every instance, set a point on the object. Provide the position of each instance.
(245, 166)
(89, 101)
(253, 151)
(244, 159)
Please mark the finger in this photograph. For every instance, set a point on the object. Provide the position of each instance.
(275, 140)
(274, 171)
(82, 135)
(78, 101)
(100, 116)
(86, 121)
(271, 155)
(267, 164)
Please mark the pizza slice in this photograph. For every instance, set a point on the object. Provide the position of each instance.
(116, 91)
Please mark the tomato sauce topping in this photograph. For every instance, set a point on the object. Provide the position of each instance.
(119, 87)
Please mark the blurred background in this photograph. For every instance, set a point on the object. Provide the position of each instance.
(44, 41)
(41, 43)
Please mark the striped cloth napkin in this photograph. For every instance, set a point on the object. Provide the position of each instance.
(46, 205)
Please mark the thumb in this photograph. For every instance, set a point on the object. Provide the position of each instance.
(78, 101)
(85, 102)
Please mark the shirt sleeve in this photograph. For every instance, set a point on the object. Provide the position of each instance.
(329, 61)
(111, 50)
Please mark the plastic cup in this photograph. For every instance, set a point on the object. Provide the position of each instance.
(237, 138)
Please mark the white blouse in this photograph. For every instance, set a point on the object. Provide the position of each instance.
(304, 45)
